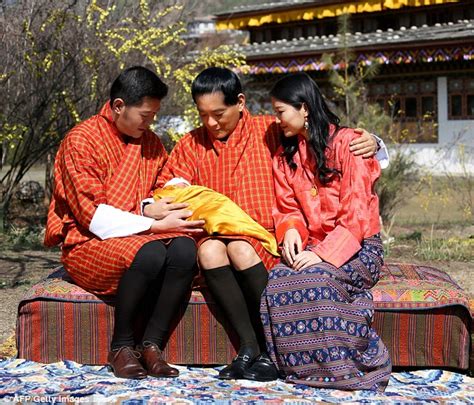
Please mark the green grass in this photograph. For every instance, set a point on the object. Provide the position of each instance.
(457, 249)
(22, 238)
(439, 200)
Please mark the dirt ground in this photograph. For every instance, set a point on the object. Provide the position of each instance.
(19, 270)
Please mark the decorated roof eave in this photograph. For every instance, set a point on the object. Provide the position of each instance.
(314, 11)
(244, 12)
(416, 56)
(371, 48)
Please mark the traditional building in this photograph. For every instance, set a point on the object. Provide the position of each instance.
(425, 48)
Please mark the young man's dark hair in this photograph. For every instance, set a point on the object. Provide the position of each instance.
(215, 79)
(135, 83)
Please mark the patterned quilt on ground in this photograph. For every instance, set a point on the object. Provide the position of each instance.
(26, 381)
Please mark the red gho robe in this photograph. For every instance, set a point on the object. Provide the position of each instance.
(332, 219)
(95, 165)
(240, 168)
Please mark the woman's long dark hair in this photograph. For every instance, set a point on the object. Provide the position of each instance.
(295, 90)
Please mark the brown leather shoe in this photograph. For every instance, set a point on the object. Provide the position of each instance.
(153, 361)
(125, 363)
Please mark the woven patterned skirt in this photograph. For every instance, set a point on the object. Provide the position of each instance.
(318, 320)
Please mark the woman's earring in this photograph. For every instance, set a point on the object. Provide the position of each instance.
(306, 125)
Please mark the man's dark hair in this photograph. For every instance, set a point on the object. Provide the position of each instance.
(135, 83)
(214, 80)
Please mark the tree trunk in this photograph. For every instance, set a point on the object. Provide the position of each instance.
(4, 209)
(48, 177)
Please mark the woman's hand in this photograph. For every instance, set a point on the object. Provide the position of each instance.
(176, 221)
(305, 259)
(291, 246)
(364, 145)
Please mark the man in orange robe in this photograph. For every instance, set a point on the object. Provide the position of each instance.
(232, 154)
(104, 167)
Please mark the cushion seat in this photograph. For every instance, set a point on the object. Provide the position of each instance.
(422, 315)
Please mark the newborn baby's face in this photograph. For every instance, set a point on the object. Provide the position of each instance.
(180, 185)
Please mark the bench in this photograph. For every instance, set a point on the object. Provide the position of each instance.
(421, 314)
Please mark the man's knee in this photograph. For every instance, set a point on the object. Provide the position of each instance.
(150, 259)
(182, 252)
(242, 255)
(213, 253)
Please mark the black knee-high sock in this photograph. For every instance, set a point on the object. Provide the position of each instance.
(178, 276)
(253, 281)
(132, 287)
(226, 291)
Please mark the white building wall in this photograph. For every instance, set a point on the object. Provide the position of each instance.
(454, 152)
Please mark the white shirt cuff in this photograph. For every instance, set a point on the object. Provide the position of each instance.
(145, 202)
(110, 222)
(382, 154)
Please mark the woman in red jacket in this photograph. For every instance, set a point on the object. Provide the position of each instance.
(317, 308)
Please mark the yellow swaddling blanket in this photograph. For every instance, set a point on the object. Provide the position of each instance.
(222, 215)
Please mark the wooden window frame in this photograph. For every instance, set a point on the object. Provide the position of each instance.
(401, 119)
(463, 92)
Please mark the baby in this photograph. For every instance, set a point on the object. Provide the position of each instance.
(222, 215)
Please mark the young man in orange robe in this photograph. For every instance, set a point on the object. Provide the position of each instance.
(232, 154)
(104, 167)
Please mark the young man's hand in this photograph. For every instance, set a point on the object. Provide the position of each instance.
(162, 208)
(176, 221)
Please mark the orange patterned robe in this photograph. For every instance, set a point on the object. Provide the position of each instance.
(96, 165)
(240, 168)
(332, 219)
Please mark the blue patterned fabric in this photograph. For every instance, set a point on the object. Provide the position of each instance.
(25, 381)
(318, 320)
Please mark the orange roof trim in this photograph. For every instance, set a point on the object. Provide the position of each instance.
(315, 12)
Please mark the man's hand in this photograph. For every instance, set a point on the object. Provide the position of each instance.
(364, 145)
(162, 208)
(175, 221)
(292, 245)
(305, 259)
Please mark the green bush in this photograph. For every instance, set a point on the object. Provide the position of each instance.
(24, 238)
(396, 178)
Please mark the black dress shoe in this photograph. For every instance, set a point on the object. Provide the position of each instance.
(239, 365)
(262, 369)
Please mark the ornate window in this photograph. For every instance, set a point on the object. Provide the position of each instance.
(461, 98)
(412, 106)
